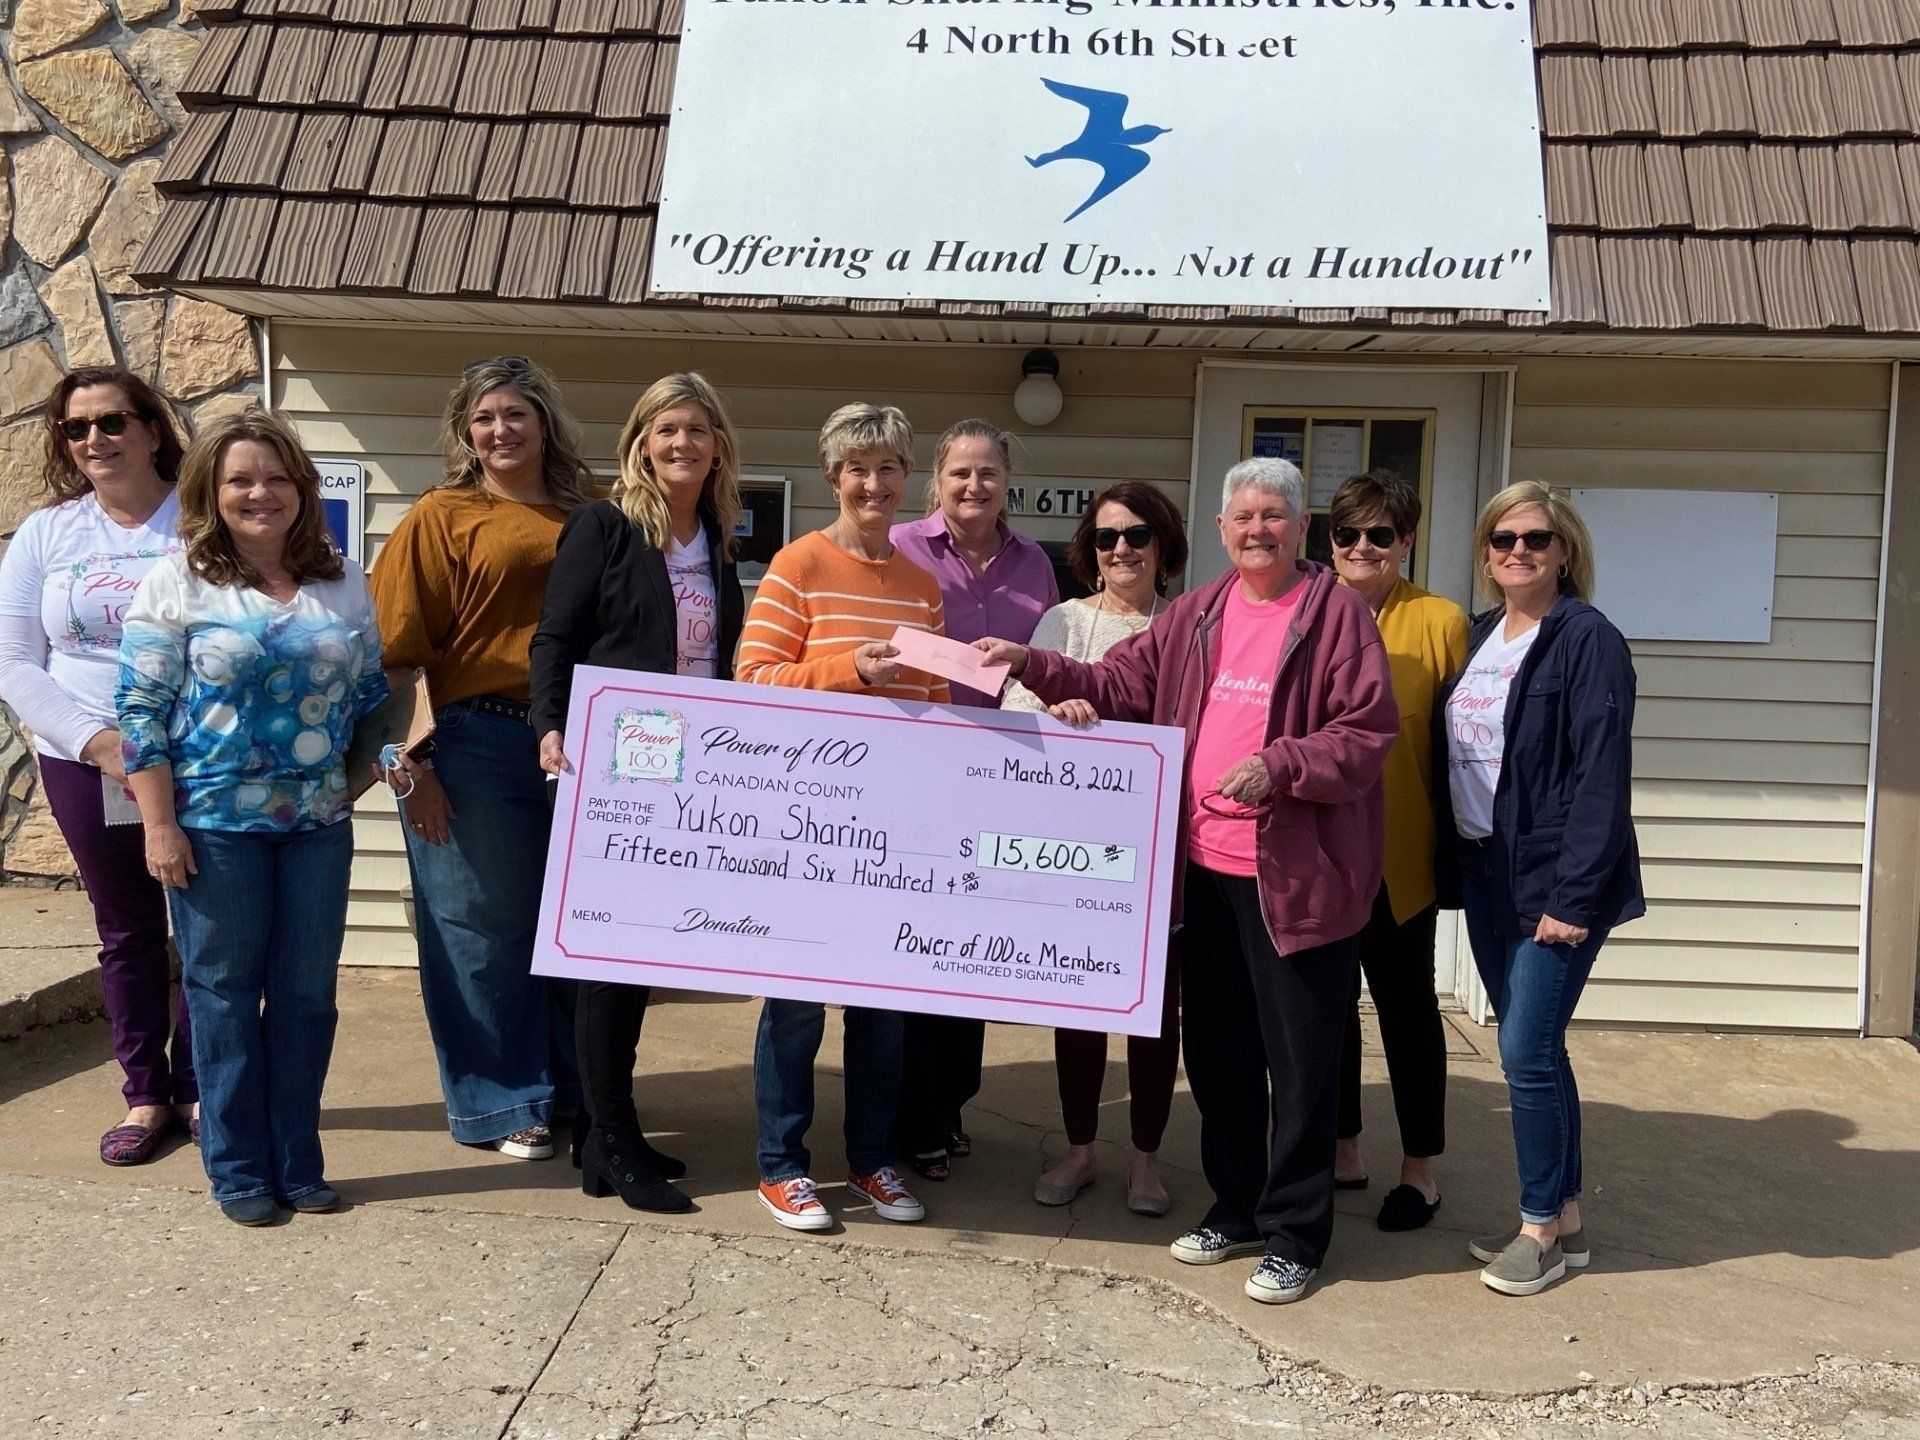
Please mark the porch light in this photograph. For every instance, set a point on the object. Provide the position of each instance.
(1037, 398)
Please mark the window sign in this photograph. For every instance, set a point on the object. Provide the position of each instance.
(343, 496)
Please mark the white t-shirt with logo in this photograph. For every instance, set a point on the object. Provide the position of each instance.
(697, 617)
(66, 581)
(1477, 729)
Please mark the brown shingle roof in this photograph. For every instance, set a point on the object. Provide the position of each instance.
(1725, 165)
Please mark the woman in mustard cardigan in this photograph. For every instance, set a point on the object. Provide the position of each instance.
(1374, 518)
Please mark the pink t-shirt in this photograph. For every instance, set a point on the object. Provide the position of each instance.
(1233, 723)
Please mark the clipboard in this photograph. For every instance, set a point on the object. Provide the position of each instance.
(404, 718)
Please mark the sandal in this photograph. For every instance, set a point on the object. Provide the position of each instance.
(934, 1167)
(129, 1144)
(959, 1145)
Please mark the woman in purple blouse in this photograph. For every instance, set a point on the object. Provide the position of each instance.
(992, 582)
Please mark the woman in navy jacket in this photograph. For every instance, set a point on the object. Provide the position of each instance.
(1536, 832)
(644, 580)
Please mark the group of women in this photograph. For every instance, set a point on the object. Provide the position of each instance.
(178, 624)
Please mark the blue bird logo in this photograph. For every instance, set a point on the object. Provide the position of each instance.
(1106, 141)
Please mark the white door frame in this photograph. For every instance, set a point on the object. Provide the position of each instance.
(1450, 563)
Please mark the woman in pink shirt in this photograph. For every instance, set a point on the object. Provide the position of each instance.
(1277, 675)
(992, 582)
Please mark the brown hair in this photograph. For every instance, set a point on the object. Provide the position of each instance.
(64, 480)
(1577, 575)
(637, 492)
(569, 480)
(309, 552)
(974, 429)
(1376, 493)
(1152, 507)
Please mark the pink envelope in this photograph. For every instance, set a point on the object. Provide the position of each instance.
(949, 659)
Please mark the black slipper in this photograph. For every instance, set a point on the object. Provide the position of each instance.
(1405, 1208)
(1359, 1182)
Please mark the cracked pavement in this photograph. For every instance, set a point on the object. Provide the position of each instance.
(1758, 1269)
(386, 1320)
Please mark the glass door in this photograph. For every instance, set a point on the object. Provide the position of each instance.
(1331, 444)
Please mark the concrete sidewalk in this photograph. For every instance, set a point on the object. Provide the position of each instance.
(1752, 1203)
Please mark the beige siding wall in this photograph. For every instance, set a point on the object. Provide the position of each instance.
(375, 395)
(1751, 759)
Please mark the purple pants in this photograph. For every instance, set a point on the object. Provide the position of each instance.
(130, 912)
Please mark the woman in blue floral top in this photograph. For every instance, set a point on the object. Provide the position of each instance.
(244, 664)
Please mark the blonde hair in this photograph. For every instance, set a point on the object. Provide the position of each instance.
(975, 429)
(853, 429)
(309, 552)
(568, 479)
(637, 491)
(1576, 577)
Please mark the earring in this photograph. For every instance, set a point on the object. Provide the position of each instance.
(1487, 570)
(1563, 572)
(1099, 584)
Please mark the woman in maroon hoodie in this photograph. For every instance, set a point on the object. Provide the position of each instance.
(1277, 675)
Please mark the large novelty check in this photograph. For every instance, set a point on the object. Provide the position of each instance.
(763, 841)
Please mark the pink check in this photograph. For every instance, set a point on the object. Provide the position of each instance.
(760, 841)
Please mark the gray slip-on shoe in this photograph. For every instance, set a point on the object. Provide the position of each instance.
(1524, 1268)
(1573, 1244)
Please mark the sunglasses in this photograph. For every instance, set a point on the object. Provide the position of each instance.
(1381, 537)
(1535, 540)
(114, 422)
(1138, 537)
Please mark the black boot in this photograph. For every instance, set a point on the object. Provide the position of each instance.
(669, 1167)
(613, 1164)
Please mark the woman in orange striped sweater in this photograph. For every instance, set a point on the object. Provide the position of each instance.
(822, 621)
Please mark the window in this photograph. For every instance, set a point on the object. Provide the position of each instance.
(1329, 445)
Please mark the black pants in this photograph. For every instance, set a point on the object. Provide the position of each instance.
(1264, 1034)
(1398, 960)
(940, 1073)
(607, 1033)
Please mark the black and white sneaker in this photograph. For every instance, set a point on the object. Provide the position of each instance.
(1279, 1281)
(1204, 1245)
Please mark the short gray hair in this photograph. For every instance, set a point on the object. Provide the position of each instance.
(1270, 477)
(855, 429)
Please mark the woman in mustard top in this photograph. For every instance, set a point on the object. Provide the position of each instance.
(459, 588)
(1374, 519)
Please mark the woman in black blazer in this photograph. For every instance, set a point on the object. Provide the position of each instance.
(643, 580)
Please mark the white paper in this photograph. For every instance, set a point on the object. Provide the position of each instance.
(117, 803)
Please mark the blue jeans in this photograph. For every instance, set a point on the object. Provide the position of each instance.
(1533, 989)
(503, 1035)
(259, 929)
(783, 1054)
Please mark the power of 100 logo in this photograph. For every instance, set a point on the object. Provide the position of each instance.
(648, 745)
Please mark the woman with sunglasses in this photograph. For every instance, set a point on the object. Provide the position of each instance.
(993, 582)
(1129, 544)
(111, 460)
(1536, 816)
(1374, 519)
(1277, 675)
(459, 586)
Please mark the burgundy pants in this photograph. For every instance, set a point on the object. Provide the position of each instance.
(1080, 1057)
(130, 913)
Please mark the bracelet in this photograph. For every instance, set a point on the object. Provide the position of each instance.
(1240, 812)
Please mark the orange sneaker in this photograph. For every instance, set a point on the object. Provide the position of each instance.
(891, 1199)
(795, 1204)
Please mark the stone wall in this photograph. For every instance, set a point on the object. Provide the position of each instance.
(87, 108)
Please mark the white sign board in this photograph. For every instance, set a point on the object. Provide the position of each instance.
(1172, 152)
(343, 494)
(1650, 574)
